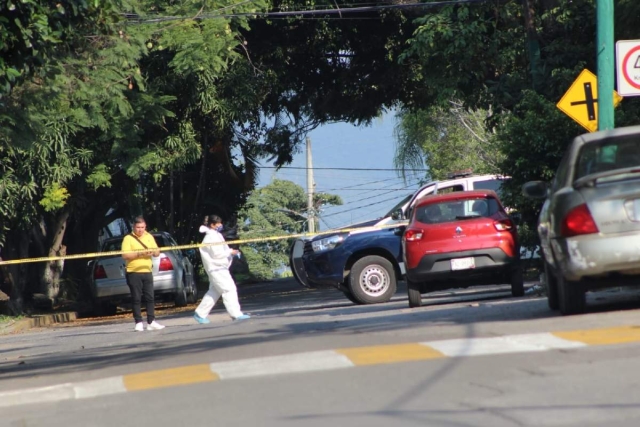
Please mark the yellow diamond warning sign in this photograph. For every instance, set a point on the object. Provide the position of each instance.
(580, 102)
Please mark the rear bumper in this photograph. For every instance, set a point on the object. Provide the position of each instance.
(490, 265)
(596, 257)
(118, 289)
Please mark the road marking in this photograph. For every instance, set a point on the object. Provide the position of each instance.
(604, 336)
(502, 345)
(169, 377)
(323, 361)
(300, 362)
(377, 355)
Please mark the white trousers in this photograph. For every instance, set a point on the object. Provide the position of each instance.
(220, 284)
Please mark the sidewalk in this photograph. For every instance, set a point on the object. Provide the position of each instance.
(36, 321)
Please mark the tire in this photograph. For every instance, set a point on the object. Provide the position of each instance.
(181, 296)
(350, 297)
(192, 294)
(415, 296)
(103, 308)
(572, 297)
(372, 280)
(517, 282)
(551, 284)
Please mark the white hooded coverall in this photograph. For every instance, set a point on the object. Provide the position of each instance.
(216, 260)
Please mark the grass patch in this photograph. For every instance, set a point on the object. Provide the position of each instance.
(7, 319)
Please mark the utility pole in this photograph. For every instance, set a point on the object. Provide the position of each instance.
(605, 51)
(310, 209)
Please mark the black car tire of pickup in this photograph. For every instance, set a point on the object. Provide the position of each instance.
(350, 297)
(415, 296)
(372, 280)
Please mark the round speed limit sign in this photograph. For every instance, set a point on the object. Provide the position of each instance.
(628, 67)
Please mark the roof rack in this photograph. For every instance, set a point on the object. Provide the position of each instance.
(459, 174)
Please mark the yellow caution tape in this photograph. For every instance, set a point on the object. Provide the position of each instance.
(194, 245)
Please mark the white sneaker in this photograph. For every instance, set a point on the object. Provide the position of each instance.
(139, 327)
(154, 326)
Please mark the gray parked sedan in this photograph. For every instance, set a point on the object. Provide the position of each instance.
(589, 226)
(173, 276)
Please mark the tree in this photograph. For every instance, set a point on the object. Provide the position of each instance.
(445, 139)
(275, 210)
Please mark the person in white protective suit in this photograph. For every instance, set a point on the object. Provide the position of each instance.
(216, 260)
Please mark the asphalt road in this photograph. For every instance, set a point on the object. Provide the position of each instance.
(474, 357)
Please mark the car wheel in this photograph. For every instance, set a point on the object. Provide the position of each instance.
(572, 296)
(102, 308)
(551, 284)
(415, 296)
(192, 295)
(350, 297)
(517, 282)
(372, 280)
(181, 296)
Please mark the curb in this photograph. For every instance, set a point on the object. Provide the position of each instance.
(37, 321)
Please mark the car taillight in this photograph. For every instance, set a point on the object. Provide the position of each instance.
(503, 225)
(578, 221)
(412, 235)
(165, 264)
(99, 273)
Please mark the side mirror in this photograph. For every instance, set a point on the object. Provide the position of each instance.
(396, 215)
(516, 217)
(535, 189)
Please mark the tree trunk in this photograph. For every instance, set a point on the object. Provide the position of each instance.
(16, 276)
(52, 270)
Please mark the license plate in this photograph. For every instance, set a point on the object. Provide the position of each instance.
(463, 263)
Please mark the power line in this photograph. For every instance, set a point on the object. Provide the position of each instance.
(137, 19)
(345, 169)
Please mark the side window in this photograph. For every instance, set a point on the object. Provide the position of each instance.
(491, 184)
(451, 189)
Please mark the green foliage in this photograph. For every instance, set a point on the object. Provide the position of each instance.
(275, 210)
(54, 198)
(445, 139)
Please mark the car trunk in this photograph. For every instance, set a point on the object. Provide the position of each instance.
(614, 212)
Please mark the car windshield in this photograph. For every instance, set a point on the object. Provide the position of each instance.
(619, 153)
(456, 210)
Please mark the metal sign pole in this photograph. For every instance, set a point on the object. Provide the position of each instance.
(605, 52)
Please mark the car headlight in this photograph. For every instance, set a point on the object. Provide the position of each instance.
(327, 243)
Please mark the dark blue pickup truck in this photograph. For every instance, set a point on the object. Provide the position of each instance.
(365, 260)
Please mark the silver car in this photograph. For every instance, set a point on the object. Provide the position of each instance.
(173, 276)
(589, 226)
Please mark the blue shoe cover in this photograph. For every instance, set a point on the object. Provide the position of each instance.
(202, 320)
(243, 317)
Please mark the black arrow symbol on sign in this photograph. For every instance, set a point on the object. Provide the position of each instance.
(589, 101)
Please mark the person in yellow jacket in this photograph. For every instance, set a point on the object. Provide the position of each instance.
(139, 272)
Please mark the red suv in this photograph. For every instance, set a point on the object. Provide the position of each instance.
(460, 239)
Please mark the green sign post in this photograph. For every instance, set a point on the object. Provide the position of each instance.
(605, 51)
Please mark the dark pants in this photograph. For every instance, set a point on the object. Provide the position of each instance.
(141, 284)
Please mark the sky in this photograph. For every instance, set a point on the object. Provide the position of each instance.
(366, 194)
